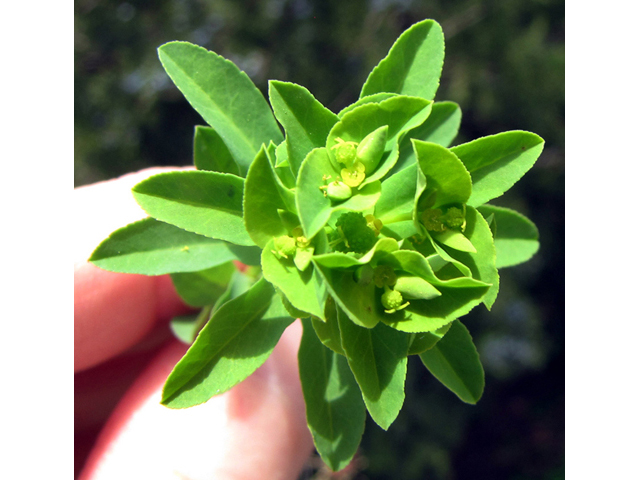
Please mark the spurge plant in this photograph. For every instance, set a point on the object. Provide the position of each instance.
(364, 224)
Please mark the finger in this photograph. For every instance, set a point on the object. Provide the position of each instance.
(257, 429)
(113, 311)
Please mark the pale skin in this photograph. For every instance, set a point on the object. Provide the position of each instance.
(123, 354)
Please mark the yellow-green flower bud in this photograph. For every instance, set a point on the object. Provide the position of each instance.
(354, 175)
(338, 191)
(285, 246)
(371, 149)
(345, 152)
(392, 300)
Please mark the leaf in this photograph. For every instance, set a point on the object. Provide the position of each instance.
(150, 247)
(205, 286)
(211, 153)
(400, 113)
(208, 203)
(186, 327)
(303, 289)
(262, 201)
(445, 173)
(482, 263)
(225, 97)
(455, 362)
(455, 240)
(375, 98)
(328, 330)
(305, 120)
(421, 342)
(442, 125)
(516, 237)
(498, 161)
(397, 197)
(235, 342)
(378, 359)
(335, 411)
(413, 65)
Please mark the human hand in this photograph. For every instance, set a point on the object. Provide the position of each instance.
(123, 344)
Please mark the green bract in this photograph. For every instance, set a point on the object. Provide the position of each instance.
(366, 224)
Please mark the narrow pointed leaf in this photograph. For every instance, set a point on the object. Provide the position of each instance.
(378, 359)
(208, 203)
(498, 161)
(455, 362)
(413, 64)
(211, 153)
(225, 97)
(335, 411)
(516, 237)
(305, 120)
(235, 342)
(150, 247)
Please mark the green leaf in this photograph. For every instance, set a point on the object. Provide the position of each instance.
(335, 411)
(400, 113)
(482, 263)
(150, 247)
(421, 342)
(378, 359)
(375, 98)
(305, 120)
(205, 286)
(235, 342)
(516, 237)
(455, 362)
(211, 153)
(413, 65)
(498, 161)
(208, 203)
(328, 330)
(303, 289)
(225, 97)
(186, 327)
(442, 125)
(455, 240)
(445, 173)
(263, 201)
(397, 197)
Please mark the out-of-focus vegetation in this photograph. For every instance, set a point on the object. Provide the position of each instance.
(504, 65)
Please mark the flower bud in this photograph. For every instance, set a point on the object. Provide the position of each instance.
(338, 191)
(285, 246)
(371, 148)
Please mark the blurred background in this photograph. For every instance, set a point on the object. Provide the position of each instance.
(504, 65)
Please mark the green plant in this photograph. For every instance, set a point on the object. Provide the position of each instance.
(364, 224)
